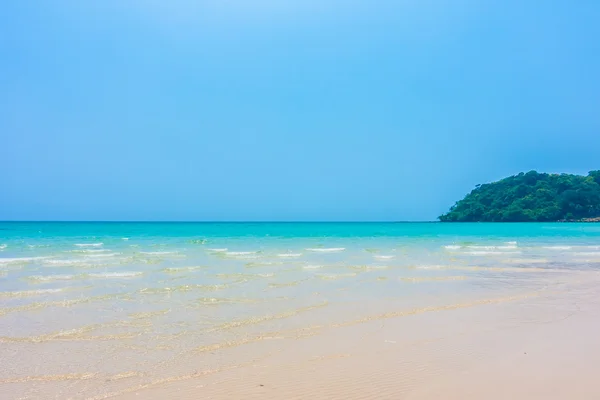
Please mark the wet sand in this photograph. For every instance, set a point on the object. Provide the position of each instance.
(539, 347)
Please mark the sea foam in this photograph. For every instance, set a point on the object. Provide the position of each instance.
(240, 253)
(326, 249)
(49, 278)
(20, 260)
(127, 274)
(452, 247)
(489, 253)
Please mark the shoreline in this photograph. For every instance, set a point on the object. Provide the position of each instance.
(515, 349)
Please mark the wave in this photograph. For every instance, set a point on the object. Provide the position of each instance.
(434, 279)
(85, 251)
(239, 275)
(452, 247)
(263, 264)
(101, 255)
(29, 293)
(312, 266)
(157, 253)
(224, 300)
(276, 285)
(507, 246)
(20, 260)
(3, 246)
(127, 274)
(557, 247)
(369, 267)
(89, 244)
(69, 262)
(326, 249)
(488, 269)
(489, 253)
(240, 253)
(218, 250)
(384, 257)
(510, 247)
(174, 270)
(124, 238)
(49, 278)
(330, 277)
(288, 255)
(432, 266)
(183, 288)
(68, 277)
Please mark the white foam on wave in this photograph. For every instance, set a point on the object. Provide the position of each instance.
(157, 253)
(48, 278)
(326, 249)
(368, 268)
(218, 250)
(336, 276)
(312, 266)
(102, 255)
(26, 293)
(509, 247)
(65, 262)
(240, 253)
(128, 274)
(2, 246)
(20, 260)
(432, 266)
(513, 242)
(289, 255)
(124, 238)
(557, 247)
(382, 257)
(489, 253)
(85, 251)
(89, 244)
(452, 247)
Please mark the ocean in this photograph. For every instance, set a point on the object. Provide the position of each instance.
(96, 310)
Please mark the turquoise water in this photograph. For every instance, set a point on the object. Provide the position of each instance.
(152, 294)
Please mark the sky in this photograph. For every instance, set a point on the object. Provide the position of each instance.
(276, 110)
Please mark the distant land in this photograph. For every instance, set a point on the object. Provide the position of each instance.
(531, 197)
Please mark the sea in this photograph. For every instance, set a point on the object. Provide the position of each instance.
(94, 310)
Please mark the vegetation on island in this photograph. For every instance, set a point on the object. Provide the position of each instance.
(531, 197)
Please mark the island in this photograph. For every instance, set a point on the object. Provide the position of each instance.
(531, 197)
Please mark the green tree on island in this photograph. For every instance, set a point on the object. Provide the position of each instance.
(531, 197)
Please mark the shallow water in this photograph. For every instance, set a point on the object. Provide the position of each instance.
(88, 310)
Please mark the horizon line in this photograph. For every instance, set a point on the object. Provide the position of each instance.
(221, 222)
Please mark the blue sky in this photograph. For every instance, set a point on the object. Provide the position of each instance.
(296, 110)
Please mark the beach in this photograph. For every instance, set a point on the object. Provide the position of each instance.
(299, 310)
